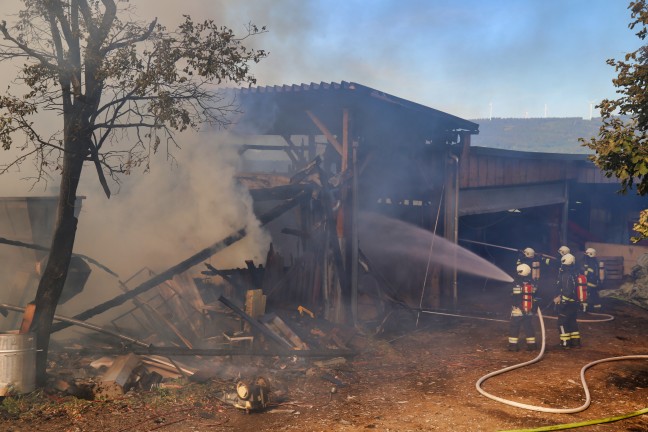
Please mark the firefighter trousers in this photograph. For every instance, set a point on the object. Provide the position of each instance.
(594, 298)
(522, 321)
(567, 324)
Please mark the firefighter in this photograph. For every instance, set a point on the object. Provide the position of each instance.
(566, 300)
(528, 256)
(522, 306)
(593, 271)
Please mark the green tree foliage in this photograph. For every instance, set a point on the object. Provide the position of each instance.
(621, 148)
(120, 89)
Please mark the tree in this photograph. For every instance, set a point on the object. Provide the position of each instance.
(106, 77)
(621, 148)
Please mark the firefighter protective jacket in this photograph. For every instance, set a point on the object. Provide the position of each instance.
(567, 285)
(591, 271)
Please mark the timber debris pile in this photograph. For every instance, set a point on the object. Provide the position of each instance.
(195, 322)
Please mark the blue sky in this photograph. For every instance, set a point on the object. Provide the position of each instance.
(517, 58)
(525, 57)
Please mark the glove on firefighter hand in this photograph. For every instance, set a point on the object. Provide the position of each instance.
(557, 300)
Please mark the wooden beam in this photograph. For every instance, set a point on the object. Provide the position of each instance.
(28, 317)
(297, 152)
(255, 324)
(329, 136)
(345, 139)
(118, 377)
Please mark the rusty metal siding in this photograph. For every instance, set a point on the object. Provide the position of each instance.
(492, 168)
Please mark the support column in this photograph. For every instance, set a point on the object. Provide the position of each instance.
(354, 234)
(451, 214)
(565, 215)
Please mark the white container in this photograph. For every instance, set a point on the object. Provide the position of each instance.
(17, 363)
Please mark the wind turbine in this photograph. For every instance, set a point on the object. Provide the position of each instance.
(591, 108)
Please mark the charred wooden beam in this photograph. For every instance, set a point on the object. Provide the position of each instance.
(71, 321)
(227, 276)
(297, 151)
(311, 168)
(256, 274)
(46, 249)
(255, 324)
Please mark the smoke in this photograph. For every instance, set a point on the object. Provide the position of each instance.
(163, 217)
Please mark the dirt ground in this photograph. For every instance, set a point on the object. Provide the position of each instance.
(404, 379)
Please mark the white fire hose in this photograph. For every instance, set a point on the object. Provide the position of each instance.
(536, 359)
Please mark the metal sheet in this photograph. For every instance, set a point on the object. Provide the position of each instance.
(491, 200)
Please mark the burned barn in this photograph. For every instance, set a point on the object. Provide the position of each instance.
(363, 152)
(388, 156)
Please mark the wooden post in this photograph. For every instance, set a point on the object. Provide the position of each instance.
(451, 202)
(565, 215)
(115, 380)
(354, 234)
(28, 317)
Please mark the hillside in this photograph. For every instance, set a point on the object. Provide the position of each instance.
(552, 135)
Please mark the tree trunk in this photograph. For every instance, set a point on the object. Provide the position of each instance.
(55, 273)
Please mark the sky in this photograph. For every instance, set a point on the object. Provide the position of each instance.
(471, 58)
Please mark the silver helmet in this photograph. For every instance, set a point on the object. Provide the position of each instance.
(568, 260)
(523, 270)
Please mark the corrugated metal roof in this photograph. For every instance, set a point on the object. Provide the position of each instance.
(373, 105)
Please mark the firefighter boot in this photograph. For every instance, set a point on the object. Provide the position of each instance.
(575, 341)
(531, 346)
(564, 338)
(513, 347)
(564, 341)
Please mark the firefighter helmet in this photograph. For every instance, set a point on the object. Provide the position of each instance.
(563, 250)
(528, 252)
(523, 270)
(568, 260)
(590, 252)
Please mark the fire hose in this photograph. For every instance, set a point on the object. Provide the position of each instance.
(581, 424)
(535, 360)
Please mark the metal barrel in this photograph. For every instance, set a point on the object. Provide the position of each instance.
(17, 363)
